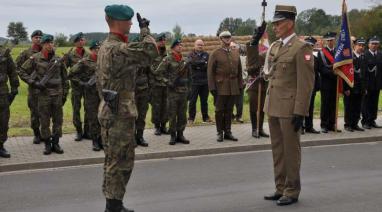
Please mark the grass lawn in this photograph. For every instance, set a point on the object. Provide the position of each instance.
(20, 115)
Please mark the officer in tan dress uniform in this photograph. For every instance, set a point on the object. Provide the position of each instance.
(289, 68)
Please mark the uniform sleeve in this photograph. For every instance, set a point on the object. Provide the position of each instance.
(211, 70)
(305, 80)
(240, 74)
(65, 82)
(162, 67)
(26, 71)
(254, 60)
(323, 69)
(13, 78)
(20, 60)
(74, 72)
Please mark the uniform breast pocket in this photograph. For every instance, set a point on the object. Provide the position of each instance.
(285, 63)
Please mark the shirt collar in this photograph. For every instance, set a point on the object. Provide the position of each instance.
(287, 39)
(373, 53)
(356, 54)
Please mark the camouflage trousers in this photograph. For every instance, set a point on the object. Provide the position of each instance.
(33, 107)
(77, 94)
(142, 99)
(119, 146)
(159, 105)
(4, 118)
(50, 108)
(91, 104)
(177, 107)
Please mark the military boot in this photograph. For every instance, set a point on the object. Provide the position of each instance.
(220, 137)
(48, 146)
(163, 129)
(173, 138)
(228, 136)
(114, 205)
(157, 130)
(3, 152)
(181, 139)
(78, 136)
(99, 139)
(140, 140)
(96, 146)
(55, 146)
(37, 136)
(263, 134)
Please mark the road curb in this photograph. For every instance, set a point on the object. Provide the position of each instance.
(181, 153)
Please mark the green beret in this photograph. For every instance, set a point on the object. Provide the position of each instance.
(119, 12)
(36, 33)
(47, 38)
(176, 42)
(77, 37)
(94, 44)
(161, 37)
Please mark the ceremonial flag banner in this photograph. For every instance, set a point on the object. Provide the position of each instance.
(264, 43)
(343, 59)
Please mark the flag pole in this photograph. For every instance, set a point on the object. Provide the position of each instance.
(337, 101)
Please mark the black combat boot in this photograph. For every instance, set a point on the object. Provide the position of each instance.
(78, 136)
(3, 152)
(99, 139)
(140, 140)
(96, 145)
(220, 137)
(86, 134)
(37, 136)
(163, 129)
(181, 139)
(114, 205)
(263, 134)
(157, 130)
(173, 138)
(55, 146)
(255, 133)
(48, 146)
(228, 136)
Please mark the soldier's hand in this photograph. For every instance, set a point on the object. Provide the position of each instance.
(38, 85)
(259, 32)
(143, 22)
(297, 122)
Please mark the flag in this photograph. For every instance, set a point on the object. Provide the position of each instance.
(343, 58)
(264, 43)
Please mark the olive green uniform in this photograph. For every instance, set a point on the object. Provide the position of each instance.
(142, 98)
(7, 72)
(116, 71)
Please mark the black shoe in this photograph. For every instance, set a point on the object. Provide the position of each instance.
(240, 120)
(164, 131)
(55, 146)
(220, 137)
(357, 128)
(37, 136)
(375, 125)
(3, 152)
(349, 129)
(78, 136)
(312, 130)
(324, 130)
(302, 131)
(229, 136)
(142, 142)
(86, 135)
(157, 131)
(114, 205)
(263, 134)
(181, 139)
(273, 197)
(96, 146)
(366, 126)
(255, 134)
(172, 139)
(48, 147)
(284, 200)
(334, 130)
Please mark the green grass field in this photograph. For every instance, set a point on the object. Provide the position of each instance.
(20, 116)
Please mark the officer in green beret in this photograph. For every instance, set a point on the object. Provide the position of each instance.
(78, 91)
(83, 74)
(50, 78)
(32, 92)
(117, 63)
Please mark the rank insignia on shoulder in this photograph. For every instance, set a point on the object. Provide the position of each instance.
(31, 57)
(308, 57)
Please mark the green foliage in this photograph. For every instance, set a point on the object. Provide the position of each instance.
(17, 32)
(61, 40)
(237, 26)
(177, 32)
(366, 23)
(316, 22)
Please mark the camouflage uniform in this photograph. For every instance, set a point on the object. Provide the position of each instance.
(177, 78)
(78, 92)
(52, 97)
(158, 82)
(142, 99)
(116, 71)
(7, 71)
(33, 93)
(81, 74)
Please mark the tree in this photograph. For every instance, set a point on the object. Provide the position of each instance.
(61, 40)
(177, 31)
(236, 26)
(17, 32)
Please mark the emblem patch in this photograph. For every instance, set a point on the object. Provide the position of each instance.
(308, 57)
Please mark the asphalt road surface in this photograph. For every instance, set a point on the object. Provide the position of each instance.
(334, 178)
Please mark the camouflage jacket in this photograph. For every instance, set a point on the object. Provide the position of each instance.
(158, 79)
(20, 60)
(143, 78)
(73, 58)
(83, 71)
(37, 65)
(175, 74)
(7, 71)
(116, 70)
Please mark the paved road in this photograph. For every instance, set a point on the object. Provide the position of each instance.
(335, 178)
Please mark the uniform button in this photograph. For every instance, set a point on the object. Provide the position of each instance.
(271, 86)
(273, 77)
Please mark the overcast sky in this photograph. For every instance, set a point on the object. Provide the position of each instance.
(201, 17)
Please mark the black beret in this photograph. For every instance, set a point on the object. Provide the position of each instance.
(330, 36)
(36, 33)
(77, 37)
(176, 42)
(161, 37)
(311, 40)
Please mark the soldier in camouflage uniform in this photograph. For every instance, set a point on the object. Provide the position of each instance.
(83, 74)
(174, 67)
(49, 76)
(78, 91)
(32, 93)
(159, 116)
(116, 75)
(7, 71)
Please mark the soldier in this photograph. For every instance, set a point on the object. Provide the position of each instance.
(224, 83)
(308, 122)
(239, 101)
(289, 68)
(116, 71)
(7, 72)
(328, 83)
(49, 76)
(199, 84)
(175, 69)
(257, 85)
(159, 116)
(352, 96)
(373, 76)
(83, 74)
(32, 92)
(78, 91)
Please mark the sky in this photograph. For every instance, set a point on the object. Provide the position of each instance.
(201, 17)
